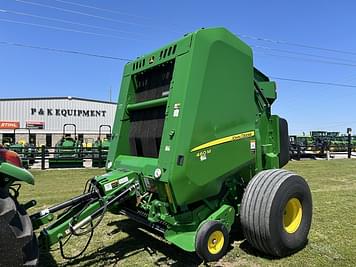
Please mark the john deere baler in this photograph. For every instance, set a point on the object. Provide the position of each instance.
(194, 123)
(195, 149)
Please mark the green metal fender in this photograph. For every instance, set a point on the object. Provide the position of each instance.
(186, 239)
(17, 173)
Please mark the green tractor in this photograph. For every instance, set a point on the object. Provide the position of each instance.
(101, 148)
(306, 142)
(339, 143)
(195, 150)
(26, 150)
(301, 146)
(18, 244)
(353, 142)
(68, 151)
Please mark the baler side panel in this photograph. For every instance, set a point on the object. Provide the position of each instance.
(219, 70)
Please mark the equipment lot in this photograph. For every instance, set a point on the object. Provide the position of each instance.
(332, 240)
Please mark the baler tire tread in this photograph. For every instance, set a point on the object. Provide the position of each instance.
(18, 244)
(252, 195)
(262, 206)
(257, 198)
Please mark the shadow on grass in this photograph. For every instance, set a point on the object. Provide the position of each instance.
(249, 249)
(238, 236)
(141, 238)
(138, 240)
(46, 259)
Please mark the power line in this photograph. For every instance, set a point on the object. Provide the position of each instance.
(64, 21)
(107, 10)
(296, 44)
(338, 124)
(309, 59)
(67, 29)
(313, 82)
(300, 53)
(100, 9)
(85, 14)
(63, 51)
(147, 26)
(75, 12)
(108, 28)
(126, 59)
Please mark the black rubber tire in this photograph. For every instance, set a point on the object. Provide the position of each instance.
(18, 244)
(202, 238)
(262, 209)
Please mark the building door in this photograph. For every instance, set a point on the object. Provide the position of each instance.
(8, 138)
(32, 139)
(48, 140)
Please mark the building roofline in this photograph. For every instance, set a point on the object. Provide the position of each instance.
(57, 98)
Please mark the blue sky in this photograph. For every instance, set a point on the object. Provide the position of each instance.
(136, 27)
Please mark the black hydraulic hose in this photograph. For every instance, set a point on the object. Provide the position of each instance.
(87, 188)
(100, 211)
(61, 246)
(119, 198)
(92, 227)
(15, 190)
(92, 196)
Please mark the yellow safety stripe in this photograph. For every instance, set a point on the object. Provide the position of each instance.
(223, 140)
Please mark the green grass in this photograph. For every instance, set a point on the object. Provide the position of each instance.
(119, 241)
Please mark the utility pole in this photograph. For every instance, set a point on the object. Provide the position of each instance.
(349, 144)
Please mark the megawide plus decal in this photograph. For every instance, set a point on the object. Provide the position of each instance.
(226, 139)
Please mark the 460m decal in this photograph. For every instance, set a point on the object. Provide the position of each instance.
(223, 140)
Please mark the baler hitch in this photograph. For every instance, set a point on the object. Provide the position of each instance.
(117, 200)
(78, 216)
(69, 203)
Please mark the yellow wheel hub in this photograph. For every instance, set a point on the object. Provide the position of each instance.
(292, 216)
(215, 242)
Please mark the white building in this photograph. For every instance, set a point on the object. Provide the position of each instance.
(45, 117)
